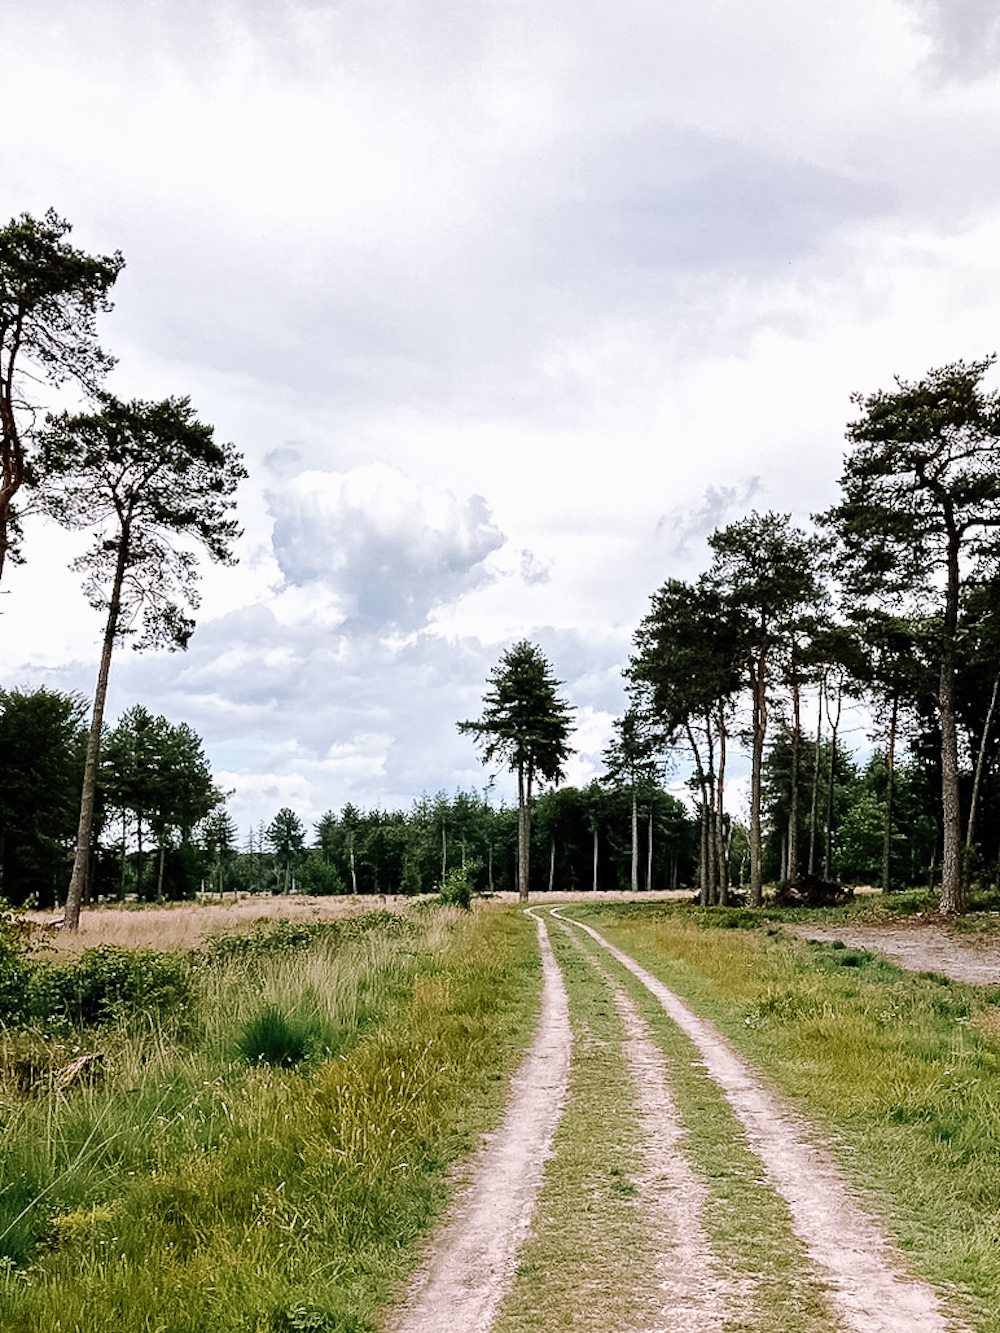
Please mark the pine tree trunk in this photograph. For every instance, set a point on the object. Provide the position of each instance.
(523, 832)
(792, 871)
(759, 730)
(834, 725)
(595, 857)
(980, 764)
(635, 842)
(952, 897)
(649, 848)
(890, 773)
(74, 897)
(814, 803)
(721, 856)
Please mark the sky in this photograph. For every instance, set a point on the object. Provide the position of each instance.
(508, 305)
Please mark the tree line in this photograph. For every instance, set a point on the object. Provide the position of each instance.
(892, 599)
(161, 830)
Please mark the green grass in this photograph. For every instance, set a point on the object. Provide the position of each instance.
(192, 1193)
(900, 1071)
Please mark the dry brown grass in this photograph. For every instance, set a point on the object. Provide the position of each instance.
(183, 925)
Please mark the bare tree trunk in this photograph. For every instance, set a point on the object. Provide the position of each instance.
(890, 774)
(649, 849)
(74, 897)
(792, 871)
(635, 841)
(834, 724)
(523, 832)
(980, 758)
(552, 864)
(595, 857)
(759, 730)
(814, 804)
(721, 853)
(952, 896)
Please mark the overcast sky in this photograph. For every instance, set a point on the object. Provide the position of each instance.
(507, 305)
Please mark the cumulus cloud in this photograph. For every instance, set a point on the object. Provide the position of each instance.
(390, 548)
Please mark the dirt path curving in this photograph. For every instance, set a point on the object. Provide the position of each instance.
(868, 1285)
(473, 1260)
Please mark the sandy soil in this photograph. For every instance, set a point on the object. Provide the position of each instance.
(472, 1258)
(920, 944)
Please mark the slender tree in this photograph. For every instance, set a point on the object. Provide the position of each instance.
(920, 508)
(632, 765)
(152, 482)
(50, 297)
(686, 672)
(526, 725)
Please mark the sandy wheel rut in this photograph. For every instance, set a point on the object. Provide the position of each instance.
(473, 1257)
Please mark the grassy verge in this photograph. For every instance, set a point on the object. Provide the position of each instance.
(901, 1071)
(192, 1191)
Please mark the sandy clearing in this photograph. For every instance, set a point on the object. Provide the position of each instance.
(868, 1285)
(473, 1254)
(919, 946)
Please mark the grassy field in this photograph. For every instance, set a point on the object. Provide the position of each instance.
(262, 1154)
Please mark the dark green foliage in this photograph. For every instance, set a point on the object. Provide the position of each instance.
(42, 745)
(456, 891)
(109, 984)
(271, 1038)
(50, 297)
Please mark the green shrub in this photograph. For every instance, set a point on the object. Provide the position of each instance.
(456, 891)
(108, 984)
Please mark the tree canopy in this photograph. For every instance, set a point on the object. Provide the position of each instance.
(50, 297)
(919, 514)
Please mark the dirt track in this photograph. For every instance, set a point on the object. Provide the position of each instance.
(471, 1267)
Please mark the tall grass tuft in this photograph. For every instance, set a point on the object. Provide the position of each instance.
(270, 1038)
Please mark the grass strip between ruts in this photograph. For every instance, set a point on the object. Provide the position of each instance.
(588, 1263)
(747, 1225)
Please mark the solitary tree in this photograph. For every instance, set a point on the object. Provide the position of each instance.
(151, 480)
(50, 296)
(920, 510)
(525, 724)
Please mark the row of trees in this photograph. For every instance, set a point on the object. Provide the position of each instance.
(581, 839)
(153, 799)
(161, 829)
(146, 479)
(893, 599)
